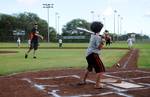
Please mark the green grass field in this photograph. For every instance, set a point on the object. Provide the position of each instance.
(64, 58)
(52, 58)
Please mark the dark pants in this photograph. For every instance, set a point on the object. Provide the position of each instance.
(95, 62)
(107, 42)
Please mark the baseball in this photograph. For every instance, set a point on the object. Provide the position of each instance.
(118, 65)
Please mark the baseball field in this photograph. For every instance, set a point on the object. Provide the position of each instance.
(56, 71)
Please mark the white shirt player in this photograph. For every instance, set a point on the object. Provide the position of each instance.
(130, 42)
(18, 42)
(60, 40)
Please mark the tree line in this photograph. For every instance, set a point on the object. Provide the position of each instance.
(24, 22)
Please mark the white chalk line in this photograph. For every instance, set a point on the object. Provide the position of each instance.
(140, 71)
(126, 78)
(145, 84)
(89, 95)
(140, 77)
(108, 74)
(54, 93)
(57, 77)
(128, 59)
(112, 76)
(125, 95)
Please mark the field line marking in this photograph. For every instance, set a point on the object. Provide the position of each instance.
(140, 77)
(127, 61)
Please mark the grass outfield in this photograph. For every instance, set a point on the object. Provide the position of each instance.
(144, 55)
(46, 45)
(64, 58)
(52, 58)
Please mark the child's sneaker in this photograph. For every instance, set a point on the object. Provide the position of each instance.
(26, 56)
(100, 86)
(81, 83)
(34, 57)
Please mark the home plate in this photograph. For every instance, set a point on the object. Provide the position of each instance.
(126, 85)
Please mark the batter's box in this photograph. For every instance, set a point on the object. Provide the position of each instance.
(68, 86)
(61, 80)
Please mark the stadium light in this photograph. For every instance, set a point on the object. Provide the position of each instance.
(121, 24)
(118, 26)
(92, 12)
(115, 11)
(56, 24)
(48, 6)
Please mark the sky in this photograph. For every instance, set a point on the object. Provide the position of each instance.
(131, 15)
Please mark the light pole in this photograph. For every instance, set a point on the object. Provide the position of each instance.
(56, 15)
(92, 12)
(118, 26)
(46, 5)
(121, 24)
(115, 11)
(58, 24)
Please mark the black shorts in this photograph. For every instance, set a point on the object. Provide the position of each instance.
(34, 45)
(108, 42)
(95, 62)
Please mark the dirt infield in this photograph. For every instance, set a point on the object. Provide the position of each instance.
(64, 83)
(6, 52)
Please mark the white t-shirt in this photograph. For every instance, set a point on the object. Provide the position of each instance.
(130, 42)
(95, 40)
(60, 40)
(18, 40)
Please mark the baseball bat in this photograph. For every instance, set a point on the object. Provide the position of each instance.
(83, 29)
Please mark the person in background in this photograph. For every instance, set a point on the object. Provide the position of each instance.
(107, 38)
(18, 42)
(29, 42)
(130, 42)
(60, 43)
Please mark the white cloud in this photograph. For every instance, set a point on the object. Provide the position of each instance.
(27, 2)
(108, 11)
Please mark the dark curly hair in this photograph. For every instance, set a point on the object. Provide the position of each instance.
(96, 27)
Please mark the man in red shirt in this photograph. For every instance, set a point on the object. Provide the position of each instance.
(34, 35)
